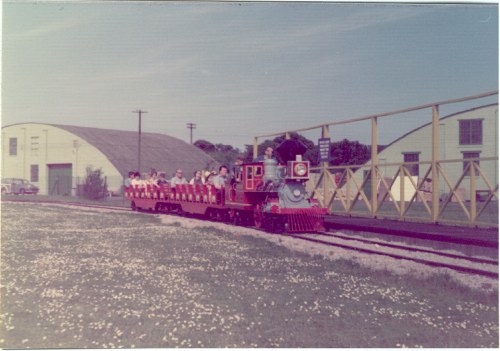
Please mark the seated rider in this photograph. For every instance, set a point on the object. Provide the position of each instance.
(237, 170)
(128, 180)
(137, 181)
(209, 178)
(162, 180)
(197, 179)
(153, 178)
(177, 179)
(221, 179)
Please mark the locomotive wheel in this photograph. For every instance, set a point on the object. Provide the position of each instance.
(258, 217)
(278, 225)
(234, 217)
(224, 216)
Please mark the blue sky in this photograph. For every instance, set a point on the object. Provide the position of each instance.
(241, 69)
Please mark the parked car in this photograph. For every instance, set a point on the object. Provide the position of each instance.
(6, 187)
(18, 186)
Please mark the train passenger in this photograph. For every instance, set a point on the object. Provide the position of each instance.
(197, 179)
(237, 170)
(177, 179)
(153, 178)
(128, 180)
(221, 179)
(268, 154)
(239, 160)
(137, 180)
(162, 180)
(209, 178)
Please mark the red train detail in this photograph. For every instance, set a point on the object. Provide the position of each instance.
(260, 194)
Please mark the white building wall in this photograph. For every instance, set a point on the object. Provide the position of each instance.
(420, 141)
(55, 146)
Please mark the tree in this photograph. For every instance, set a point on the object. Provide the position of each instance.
(204, 145)
(222, 153)
(311, 154)
(346, 152)
(95, 186)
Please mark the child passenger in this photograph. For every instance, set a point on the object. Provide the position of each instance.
(128, 181)
(209, 178)
(196, 180)
(137, 182)
(162, 180)
(153, 178)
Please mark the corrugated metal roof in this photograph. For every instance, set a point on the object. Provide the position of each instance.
(159, 151)
(441, 118)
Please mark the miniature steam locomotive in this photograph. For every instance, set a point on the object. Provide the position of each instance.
(261, 194)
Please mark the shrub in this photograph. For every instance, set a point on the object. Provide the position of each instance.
(95, 186)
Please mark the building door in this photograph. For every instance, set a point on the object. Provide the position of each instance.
(60, 179)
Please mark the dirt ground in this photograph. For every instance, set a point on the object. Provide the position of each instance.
(75, 278)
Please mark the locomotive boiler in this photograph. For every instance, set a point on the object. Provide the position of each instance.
(263, 194)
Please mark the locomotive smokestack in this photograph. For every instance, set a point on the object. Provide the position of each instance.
(289, 149)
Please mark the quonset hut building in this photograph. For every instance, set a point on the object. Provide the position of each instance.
(55, 157)
(469, 134)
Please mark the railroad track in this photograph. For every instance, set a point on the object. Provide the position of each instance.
(79, 204)
(472, 265)
(461, 263)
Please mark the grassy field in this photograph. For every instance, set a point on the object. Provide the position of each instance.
(74, 278)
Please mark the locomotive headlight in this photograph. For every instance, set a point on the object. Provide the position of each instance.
(300, 169)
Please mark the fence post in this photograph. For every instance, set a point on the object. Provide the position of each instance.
(473, 209)
(402, 204)
(325, 133)
(348, 188)
(374, 164)
(435, 156)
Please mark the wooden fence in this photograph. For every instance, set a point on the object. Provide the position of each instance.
(424, 197)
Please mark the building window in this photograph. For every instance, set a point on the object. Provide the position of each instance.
(412, 157)
(13, 146)
(34, 146)
(471, 132)
(469, 155)
(34, 173)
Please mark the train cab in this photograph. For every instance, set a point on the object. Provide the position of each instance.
(253, 175)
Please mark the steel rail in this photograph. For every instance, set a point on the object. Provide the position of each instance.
(79, 204)
(410, 248)
(402, 257)
(301, 237)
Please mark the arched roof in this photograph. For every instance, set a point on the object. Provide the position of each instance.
(442, 118)
(159, 151)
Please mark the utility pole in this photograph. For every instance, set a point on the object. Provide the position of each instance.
(140, 112)
(191, 126)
